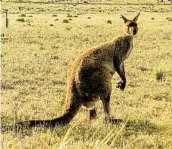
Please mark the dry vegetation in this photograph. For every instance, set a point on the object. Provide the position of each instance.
(38, 48)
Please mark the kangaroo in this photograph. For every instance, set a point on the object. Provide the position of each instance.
(89, 78)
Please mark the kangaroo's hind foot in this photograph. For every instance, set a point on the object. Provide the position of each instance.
(106, 107)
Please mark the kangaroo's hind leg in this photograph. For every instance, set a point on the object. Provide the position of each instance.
(106, 107)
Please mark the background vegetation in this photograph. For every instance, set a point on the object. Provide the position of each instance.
(88, 1)
(40, 44)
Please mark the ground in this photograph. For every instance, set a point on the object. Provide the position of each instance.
(38, 48)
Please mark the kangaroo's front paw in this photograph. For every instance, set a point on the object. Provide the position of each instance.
(121, 85)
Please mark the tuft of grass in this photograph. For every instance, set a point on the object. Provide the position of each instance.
(143, 68)
(5, 86)
(69, 15)
(65, 21)
(160, 75)
(20, 20)
(109, 22)
(170, 19)
(68, 28)
(159, 96)
(54, 15)
(55, 57)
(22, 15)
(2, 35)
(85, 2)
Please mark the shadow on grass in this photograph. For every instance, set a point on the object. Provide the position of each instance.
(7, 128)
(142, 126)
(132, 127)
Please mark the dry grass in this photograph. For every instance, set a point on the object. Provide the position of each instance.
(37, 56)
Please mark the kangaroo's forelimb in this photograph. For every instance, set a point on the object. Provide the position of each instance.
(119, 67)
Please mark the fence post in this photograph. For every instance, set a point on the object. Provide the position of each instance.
(6, 18)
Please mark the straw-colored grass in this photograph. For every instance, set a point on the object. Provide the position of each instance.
(37, 55)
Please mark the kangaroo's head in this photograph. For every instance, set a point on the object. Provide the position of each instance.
(131, 25)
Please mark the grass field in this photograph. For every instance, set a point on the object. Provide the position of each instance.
(39, 46)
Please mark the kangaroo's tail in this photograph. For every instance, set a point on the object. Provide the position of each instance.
(62, 120)
(73, 104)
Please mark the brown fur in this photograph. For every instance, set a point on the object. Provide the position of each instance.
(89, 78)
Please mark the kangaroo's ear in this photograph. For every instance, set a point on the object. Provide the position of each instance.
(136, 18)
(124, 18)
